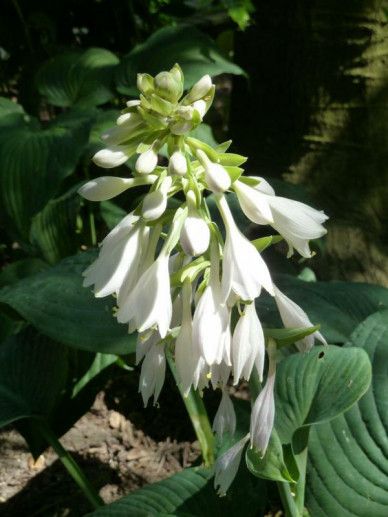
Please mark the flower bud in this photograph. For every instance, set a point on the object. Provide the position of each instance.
(216, 177)
(176, 71)
(200, 89)
(109, 158)
(167, 87)
(154, 205)
(200, 106)
(145, 83)
(195, 236)
(146, 162)
(177, 164)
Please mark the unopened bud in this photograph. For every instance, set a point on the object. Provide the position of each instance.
(167, 87)
(146, 162)
(176, 71)
(216, 176)
(200, 89)
(177, 164)
(145, 83)
(200, 106)
(195, 236)
(154, 205)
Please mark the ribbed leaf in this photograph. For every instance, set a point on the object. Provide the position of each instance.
(348, 457)
(55, 302)
(33, 164)
(11, 113)
(196, 53)
(78, 78)
(53, 228)
(33, 372)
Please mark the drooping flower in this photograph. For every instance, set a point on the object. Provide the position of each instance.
(294, 316)
(152, 373)
(244, 270)
(248, 345)
(195, 236)
(263, 410)
(226, 466)
(225, 418)
(150, 303)
(216, 177)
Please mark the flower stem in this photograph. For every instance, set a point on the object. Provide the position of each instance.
(300, 486)
(288, 501)
(198, 416)
(70, 464)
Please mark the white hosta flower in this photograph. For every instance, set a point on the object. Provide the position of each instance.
(119, 256)
(152, 373)
(177, 164)
(253, 203)
(195, 236)
(211, 324)
(147, 161)
(111, 157)
(294, 316)
(263, 412)
(145, 340)
(149, 303)
(227, 465)
(155, 203)
(225, 419)
(105, 187)
(220, 373)
(244, 270)
(200, 89)
(248, 345)
(297, 222)
(216, 177)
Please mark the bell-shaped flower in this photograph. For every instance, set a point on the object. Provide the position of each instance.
(297, 222)
(220, 373)
(227, 465)
(211, 324)
(147, 161)
(149, 303)
(244, 270)
(152, 373)
(119, 255)
(225, 419)
(216, 177)
(177, 164)
(195, 235)
(294, 316)
(263, 411)
(145, 340)
(248, 345)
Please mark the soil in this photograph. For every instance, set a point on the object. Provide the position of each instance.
(118, 454)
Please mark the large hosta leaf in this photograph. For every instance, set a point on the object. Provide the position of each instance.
(53, 228)
(33, 372)
(337, 306)
(55, 302)
(11, 113)
(348, 457)
(33, 164)
(196, 53)
(78, 78)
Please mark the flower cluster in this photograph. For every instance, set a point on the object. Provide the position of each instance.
(178, 279)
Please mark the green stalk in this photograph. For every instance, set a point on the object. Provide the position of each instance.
(70, 464)
(198, 416)
(301, 483)
(288, 500)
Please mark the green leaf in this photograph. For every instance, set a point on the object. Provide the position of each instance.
(33, 164)
(100, 362)
(284, 337)
(78, 78)
(33, 372)
(273, 465)
(348, 457)
(20, 269)
(55, 302)
(189, 493)
(337, 306)
(262, 243)
(195, 52)
(53, 228)
(11, 113)
(317, 386)
(204, 133)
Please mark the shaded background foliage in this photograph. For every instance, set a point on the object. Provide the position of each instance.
(302, 90)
